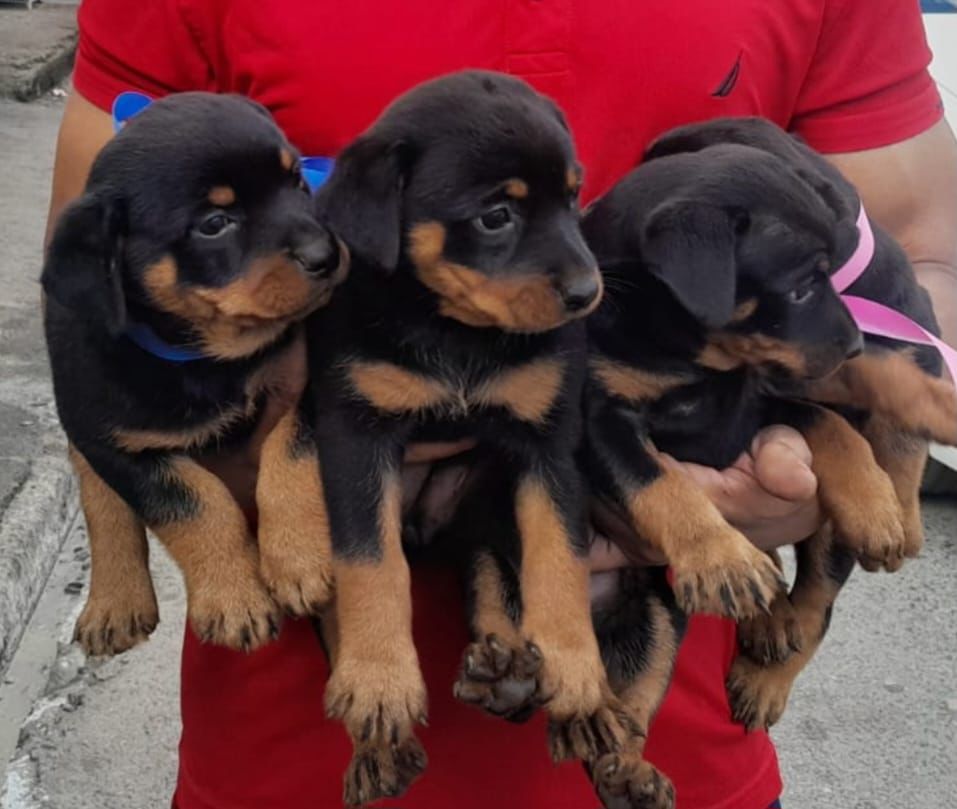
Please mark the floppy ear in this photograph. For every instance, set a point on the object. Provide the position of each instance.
(362, 200)
(83, 266)
(690, 247)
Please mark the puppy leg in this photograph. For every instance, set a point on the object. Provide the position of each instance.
(501, 671)
(121, 609)
(759, 693)
(716, 569)
(586, 719)
(772, 636)
(295, 548)
(855, 492)
(201, 525)
(376, 688)
(892, 384)
(903, 457)
(639, 646)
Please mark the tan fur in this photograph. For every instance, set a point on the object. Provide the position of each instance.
(707, 555)
(643, 695)
(377, 670)
(528, 391)
(295, 545)
(221, 196)
(573, 179)
(121, 608)
(240, 318)
(556, 615)
(744, 310)
(903, 457)
(854, 491)
(528, 303)
(727, 350)
(759, 693)
(891, 384)
(227, 601)
(516, 188)
(630, 383)
(488, 613)
(184, 440)
(286, 160)
(396, 390)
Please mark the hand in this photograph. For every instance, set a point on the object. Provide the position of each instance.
(769, 493)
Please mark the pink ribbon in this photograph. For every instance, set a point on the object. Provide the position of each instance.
(875, 318)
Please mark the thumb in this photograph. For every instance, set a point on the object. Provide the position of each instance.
(782, 463)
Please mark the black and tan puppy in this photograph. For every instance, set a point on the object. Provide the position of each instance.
(460, 208)
(892, 393)
(174, 287)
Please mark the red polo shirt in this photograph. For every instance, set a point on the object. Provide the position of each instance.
(846, 74)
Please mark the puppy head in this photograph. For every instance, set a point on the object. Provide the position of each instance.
(745, 246)
(196, 220)
(470, 183)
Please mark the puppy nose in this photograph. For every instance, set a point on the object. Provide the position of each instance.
(580, 292)
(318, 255)
(856, 347)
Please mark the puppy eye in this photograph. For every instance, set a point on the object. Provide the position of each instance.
(802, 294)
(494, 220)
(214, 225)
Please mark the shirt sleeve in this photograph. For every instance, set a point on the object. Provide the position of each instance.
(867, 85)
(152, 46)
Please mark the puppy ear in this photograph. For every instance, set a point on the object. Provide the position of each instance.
(83, 266)
(691, 248)
(362, 200)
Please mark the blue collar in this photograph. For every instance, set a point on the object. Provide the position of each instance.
(152, 343)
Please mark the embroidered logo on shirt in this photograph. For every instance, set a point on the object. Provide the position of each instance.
(724, 89)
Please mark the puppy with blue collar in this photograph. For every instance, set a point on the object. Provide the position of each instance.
(176, 286)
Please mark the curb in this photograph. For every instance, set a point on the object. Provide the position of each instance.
(37, 49)
(33, 527)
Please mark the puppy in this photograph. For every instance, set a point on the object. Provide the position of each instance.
(892, 393)
(174, 288)
(459, 206)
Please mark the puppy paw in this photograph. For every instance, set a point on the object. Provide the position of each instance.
(108, 627)
(627, 781)
(234, 610)
(500, 678)
(758, 694)
(729, 577)
(591, 736)
(379, 705)
(771, 637)
(871, 523)
(298, 578)
(382, 771)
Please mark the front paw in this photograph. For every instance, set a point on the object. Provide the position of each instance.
(627, 781)
(501, 678)
(772, 637)
(758, 694)
(379, 703)
(726, 575)
(110, 626)
(871, 523)
(299, 579)
(234, 610)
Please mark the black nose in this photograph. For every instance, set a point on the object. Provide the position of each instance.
(580, 292)
(856, 347)
(318, 255)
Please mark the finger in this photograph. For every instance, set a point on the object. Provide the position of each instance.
(783, 434)
(782, 468)
(414, 476)
(604, 555)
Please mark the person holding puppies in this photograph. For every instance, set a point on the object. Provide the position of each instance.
(254, 730)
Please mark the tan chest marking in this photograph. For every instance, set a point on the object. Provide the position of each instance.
(633, 384)
(528, 392)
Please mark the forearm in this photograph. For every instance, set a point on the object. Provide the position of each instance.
(940, 280)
